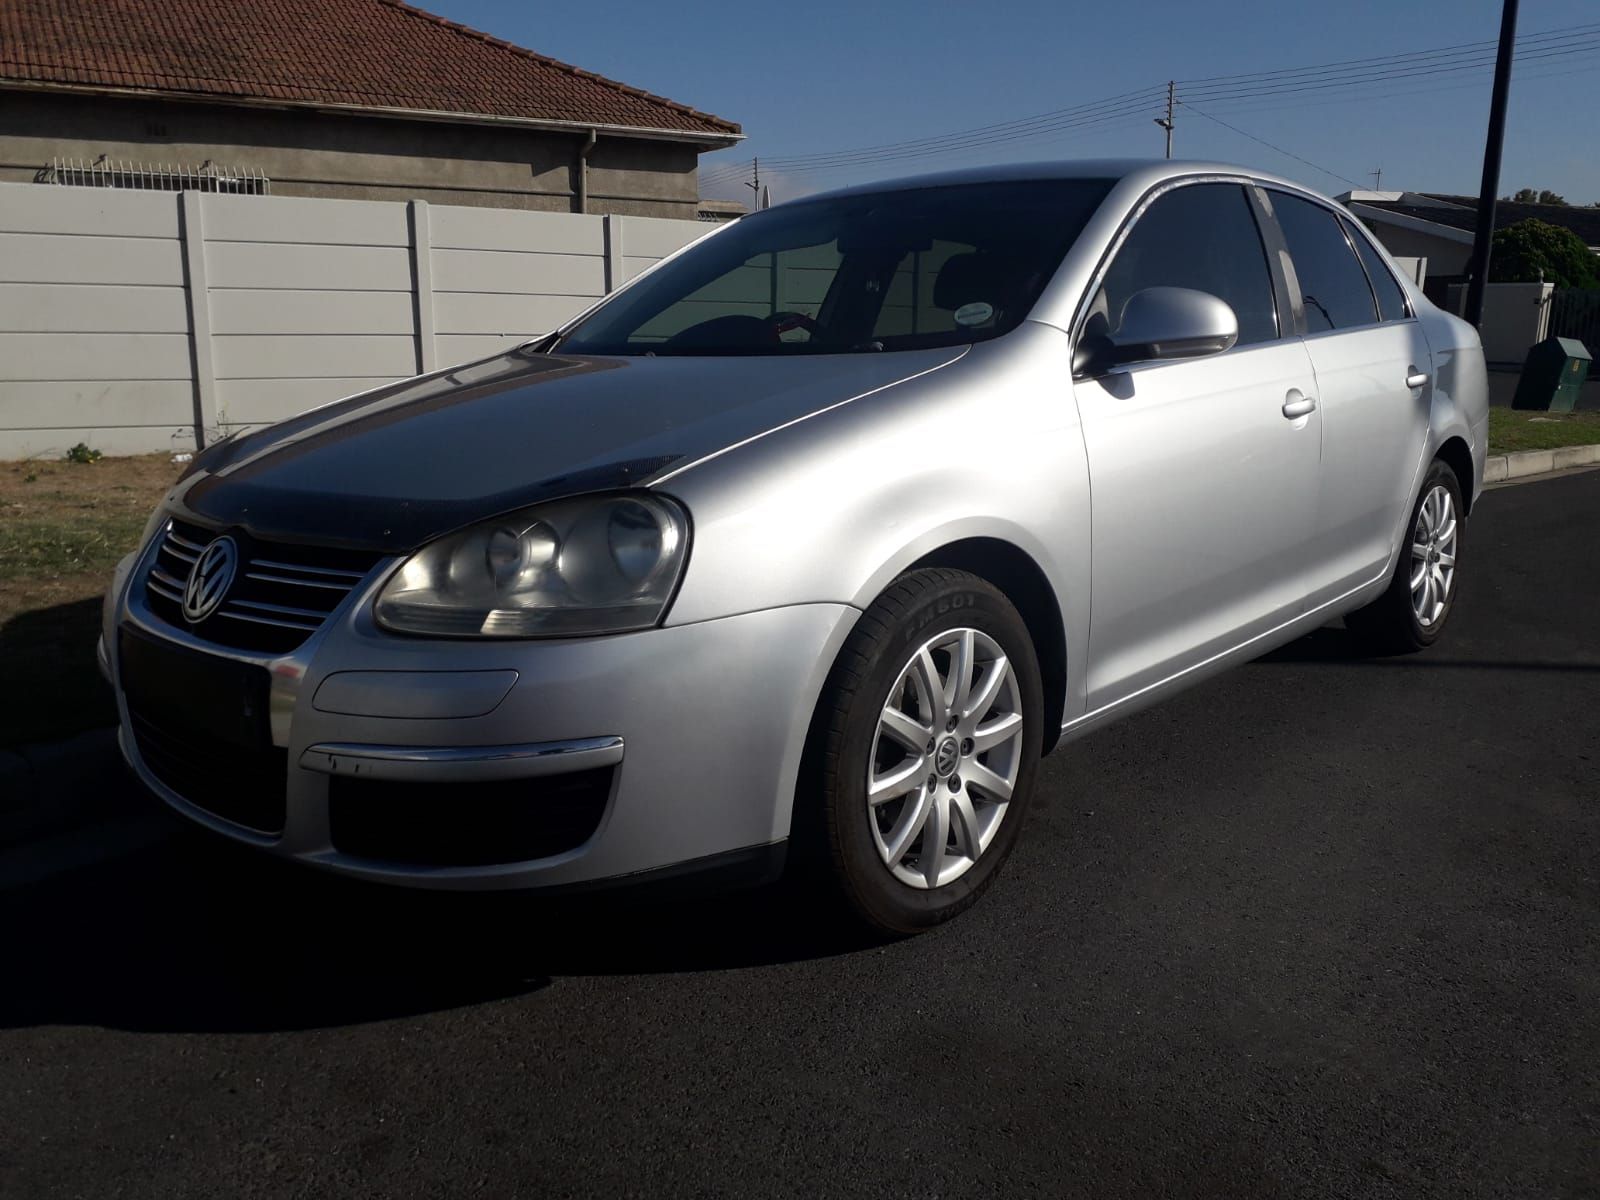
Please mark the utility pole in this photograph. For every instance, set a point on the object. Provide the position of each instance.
(1478, 265)
(1166, 122)
(1377, 178)
(755, 168)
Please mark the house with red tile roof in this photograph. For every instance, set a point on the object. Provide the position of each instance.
(365, 99)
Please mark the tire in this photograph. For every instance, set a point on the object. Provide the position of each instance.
(875, 855)
(1405, 619)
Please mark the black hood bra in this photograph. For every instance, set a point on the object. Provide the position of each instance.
(390, 469)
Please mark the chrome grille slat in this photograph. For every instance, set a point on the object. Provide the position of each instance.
(354, 576)
(274, 602)
(233, 615)
(310, 583)
(282, 610)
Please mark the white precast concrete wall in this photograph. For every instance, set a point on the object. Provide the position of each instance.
(1516, 317)
(134, 320)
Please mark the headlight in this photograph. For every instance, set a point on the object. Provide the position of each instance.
(594, 564)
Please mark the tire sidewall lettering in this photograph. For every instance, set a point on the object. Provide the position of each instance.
(944, 606)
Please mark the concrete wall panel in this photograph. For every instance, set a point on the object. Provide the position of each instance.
(89, 258)
(301, 267)
(296, 310)
(292, 303)
(90, 308)
(291, 219)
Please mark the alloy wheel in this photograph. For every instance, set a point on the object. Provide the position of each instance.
(945, 758)
(1433, 556)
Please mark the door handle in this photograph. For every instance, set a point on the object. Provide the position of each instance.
(1416, 378)
(1297, 404)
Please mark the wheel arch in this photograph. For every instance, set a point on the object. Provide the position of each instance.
(1014, 571)
(1457, 455)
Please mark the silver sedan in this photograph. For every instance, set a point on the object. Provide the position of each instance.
(801, 550)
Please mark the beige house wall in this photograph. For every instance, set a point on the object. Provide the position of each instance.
(333, 155)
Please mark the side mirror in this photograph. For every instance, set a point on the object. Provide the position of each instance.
(1164, 323)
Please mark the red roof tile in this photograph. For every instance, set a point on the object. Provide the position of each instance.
(370, 53)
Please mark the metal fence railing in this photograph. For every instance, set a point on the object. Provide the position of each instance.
(156, 177)
(1575, 313)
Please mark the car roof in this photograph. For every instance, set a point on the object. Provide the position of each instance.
(1140, 172)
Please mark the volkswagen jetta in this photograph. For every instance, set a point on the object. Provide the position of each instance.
(809, 542)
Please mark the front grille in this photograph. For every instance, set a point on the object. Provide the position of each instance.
(245, 786)
(281, 593)
(466, 824)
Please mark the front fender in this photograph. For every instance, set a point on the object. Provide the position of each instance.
(833, 508)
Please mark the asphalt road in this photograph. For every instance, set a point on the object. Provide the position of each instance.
(1321, 927)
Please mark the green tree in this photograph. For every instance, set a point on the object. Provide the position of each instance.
(1530, 196)
(1524, 251)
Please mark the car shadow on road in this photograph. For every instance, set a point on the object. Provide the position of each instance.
(1335, 644)
(52, 685)
(196, 935)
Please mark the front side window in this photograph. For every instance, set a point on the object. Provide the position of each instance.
(1391, 298)
(1202, 236)
(884, 271)
(1333, 286)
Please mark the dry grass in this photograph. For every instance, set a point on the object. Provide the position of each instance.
(63, 526)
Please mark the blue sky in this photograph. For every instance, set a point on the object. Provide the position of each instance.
(821, 77)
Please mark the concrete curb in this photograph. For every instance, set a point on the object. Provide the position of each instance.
(1498, 468)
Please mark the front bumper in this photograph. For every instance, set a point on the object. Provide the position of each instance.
(697, 730)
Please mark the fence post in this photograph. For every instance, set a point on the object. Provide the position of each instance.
(422, 285)
(613, 234)
(197, 295)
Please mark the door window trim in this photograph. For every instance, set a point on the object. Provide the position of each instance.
(1080, 316)
(1351, 232)
(1340, 219)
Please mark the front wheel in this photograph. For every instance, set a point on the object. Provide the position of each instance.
(925, 749)
(1411, 613)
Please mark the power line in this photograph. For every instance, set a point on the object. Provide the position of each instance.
(1230, 93)
(1364, 96)
(1268, 145)
(1115, 122)
(1040, 125)
(1526, 39)
(1588, 46)
(1007, 130)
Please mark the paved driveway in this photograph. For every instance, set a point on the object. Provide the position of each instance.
(1321, 927)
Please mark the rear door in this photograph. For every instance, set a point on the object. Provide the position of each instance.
(1204, 487)
(1373, 383)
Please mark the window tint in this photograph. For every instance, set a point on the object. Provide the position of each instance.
(1204, 237)
(854, 274)
(1391, 297)
(1333, 286)
(911, 301)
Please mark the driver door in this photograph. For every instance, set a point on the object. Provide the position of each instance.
(1204, 472)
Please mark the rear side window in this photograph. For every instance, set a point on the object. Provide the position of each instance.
(1333, 286)
(1204, 237)
(1391, 298)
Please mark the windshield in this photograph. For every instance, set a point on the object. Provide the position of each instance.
(904, 270)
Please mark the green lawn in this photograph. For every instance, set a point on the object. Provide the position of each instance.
(1511, 430)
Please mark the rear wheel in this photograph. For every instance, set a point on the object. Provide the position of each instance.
(1412, 612)
(924, 751)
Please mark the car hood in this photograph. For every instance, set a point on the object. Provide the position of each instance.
(394, 467)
